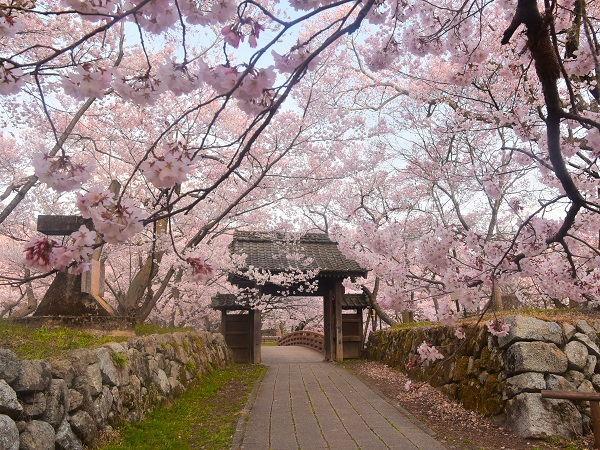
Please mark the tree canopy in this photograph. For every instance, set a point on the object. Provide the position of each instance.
(451, 147)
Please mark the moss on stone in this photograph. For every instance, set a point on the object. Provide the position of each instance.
(496, 362)
(493, 405)
(450, 390)
(474, 366)
(485, 357)
(460, 368)
(470, 344)
(470, 393)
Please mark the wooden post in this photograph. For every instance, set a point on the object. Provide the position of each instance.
(327, 308)
(256, 336)
(223, 322)
(339, 341)
(595, 407)
(361, 332)
(407, 316)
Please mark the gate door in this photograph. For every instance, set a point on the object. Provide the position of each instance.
(240, 335)
(352, 334)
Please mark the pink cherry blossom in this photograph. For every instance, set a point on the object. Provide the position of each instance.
(93, 202)
(81, 243)
(176, 77)
(87, 81)
(222, 78)
(47, 254)
(498, 328)
(459, 332)
(156, 17)
(90, 8)
(61, 172)
(447, 314)
(79, 267)
(12, 79)
(428, 352)
(288, 62)
(10, 24)
(304, 5)
(165, 170)
(119, 222)
(201, 270)
(141, 89)
(38, 252)
(255, 83)
(60, 258)
(232, 35)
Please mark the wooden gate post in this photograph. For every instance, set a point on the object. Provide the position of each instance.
(256, 335)
(328, 324)
(339, 339)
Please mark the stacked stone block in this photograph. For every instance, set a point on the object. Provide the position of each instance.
(504, 376)
(68, 403)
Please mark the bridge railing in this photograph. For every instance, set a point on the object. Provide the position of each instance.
(311, 339)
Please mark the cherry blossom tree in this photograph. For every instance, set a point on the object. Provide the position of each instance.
(492, 95)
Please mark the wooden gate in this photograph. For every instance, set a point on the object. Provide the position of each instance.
(352, 334)
(242, 335)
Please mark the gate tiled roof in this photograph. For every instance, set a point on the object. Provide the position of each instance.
(271, 251)
(229, 302)
(232, 302)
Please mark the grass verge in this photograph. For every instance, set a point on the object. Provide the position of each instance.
(204, 417)
(47, 343)
(145, 329)
(54, 342)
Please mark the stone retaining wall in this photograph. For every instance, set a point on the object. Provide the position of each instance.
(68, 403)
(504, 376)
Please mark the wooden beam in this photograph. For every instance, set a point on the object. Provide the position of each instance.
(571, 395)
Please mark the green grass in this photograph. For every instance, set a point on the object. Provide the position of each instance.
(425, 323)
(119, 360)
(46, 343)
(144, 329)
(54, 342)
(204, 417)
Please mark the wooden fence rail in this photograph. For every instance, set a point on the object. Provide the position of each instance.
(311, 339)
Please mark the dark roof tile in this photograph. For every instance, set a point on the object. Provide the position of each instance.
(230, 302)
(273, 252)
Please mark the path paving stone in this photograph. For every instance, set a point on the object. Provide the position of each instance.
(305, 403)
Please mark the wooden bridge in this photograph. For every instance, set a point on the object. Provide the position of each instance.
(310, 339)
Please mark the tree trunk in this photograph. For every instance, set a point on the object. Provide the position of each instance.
(497, 304)
(132, 304)
(373, 298)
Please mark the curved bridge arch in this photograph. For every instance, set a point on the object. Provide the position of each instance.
(311, 339)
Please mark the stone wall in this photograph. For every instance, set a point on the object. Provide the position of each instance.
(68, 403)
(504, 376)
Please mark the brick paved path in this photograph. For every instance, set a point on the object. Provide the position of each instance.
(305, 403)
